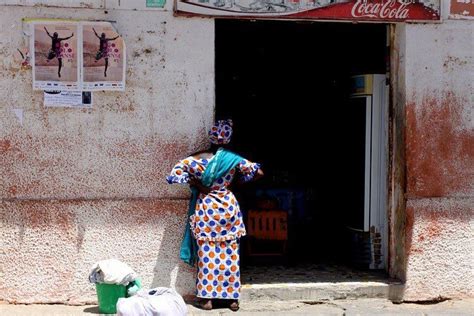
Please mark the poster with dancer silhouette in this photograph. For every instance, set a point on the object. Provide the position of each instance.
(55, 59)
(103, 54)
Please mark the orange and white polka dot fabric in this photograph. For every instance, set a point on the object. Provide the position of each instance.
(217, 216)
(218, 269)
(217, 225)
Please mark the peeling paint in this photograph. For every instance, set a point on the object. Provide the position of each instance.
(440, 247)
(80, 186)
(64, 239)
(439, 239)
(5, 145)
(452, 62)
(440, 153)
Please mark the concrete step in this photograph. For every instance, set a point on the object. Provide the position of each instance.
(350, 307)
(322, 291)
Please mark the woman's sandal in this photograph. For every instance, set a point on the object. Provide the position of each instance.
(205, 304)
(234, 306)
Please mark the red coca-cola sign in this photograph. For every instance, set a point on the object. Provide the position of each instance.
(382, 10)
(359, 10)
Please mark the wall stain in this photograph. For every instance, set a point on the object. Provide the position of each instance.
(5, 145)
(440, 149)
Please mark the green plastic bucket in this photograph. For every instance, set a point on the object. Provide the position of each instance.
(108, 295)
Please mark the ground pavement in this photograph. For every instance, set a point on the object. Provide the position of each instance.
(272, 308)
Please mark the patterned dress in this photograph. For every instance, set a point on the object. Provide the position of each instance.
(217, 225)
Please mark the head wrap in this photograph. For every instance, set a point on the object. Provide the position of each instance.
(221, 132)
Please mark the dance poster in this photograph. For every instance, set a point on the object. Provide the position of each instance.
(103, 57)
(55, 59)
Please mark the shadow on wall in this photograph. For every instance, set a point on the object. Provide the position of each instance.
(170, 270)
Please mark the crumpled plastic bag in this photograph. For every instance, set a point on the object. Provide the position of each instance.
(133, 287)
(160, 301)
(112, 271)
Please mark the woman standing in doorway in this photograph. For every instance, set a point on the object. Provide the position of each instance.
(216, 221)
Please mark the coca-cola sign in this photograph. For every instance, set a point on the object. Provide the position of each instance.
(360, 10)
(389, 9)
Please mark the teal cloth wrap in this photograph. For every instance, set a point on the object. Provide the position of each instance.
(219, 165)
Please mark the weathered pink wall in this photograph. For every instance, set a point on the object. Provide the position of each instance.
(78, 186)
(438, 62)
(49, 246)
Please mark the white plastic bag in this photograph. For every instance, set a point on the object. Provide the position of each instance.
(160, 301)
(112, 271)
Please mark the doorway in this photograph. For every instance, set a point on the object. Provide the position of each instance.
(291, 90)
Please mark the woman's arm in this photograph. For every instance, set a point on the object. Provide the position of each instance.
(258, 175)
(193, 182)
(180, 172)
(249, 171)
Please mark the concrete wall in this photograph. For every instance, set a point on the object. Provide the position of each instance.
(78, 186)
(438, 80)
(397, 168)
